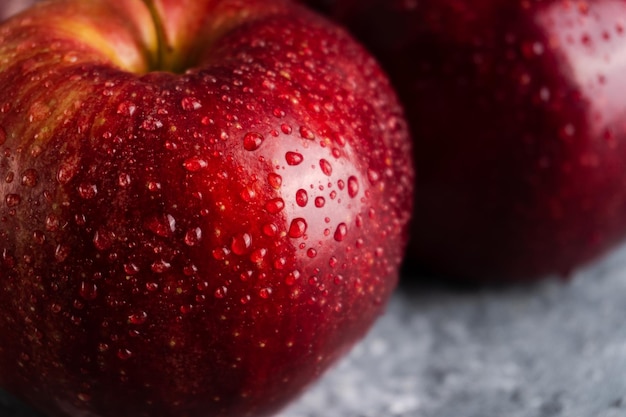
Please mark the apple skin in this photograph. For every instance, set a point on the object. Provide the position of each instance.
(517, 114)
(192, 244)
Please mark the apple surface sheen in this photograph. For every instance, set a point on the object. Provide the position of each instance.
(517, 111)
(204, 204)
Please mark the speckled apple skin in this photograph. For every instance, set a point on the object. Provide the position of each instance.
(517, 111)
(199, 244)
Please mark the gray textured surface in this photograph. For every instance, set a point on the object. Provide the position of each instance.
(549, 350)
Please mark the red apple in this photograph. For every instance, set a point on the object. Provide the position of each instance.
(517, 111)
(204, 204)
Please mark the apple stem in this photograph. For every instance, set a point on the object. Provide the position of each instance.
(158, 61)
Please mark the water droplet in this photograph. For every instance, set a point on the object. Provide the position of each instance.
(193, 236)
(292, 277)
(151, 124)
(353, 186)
(294, 158)
(252, 141)
(306, 133)
(88, 290)
(126, 107)
(302, 198)
(190, 270)
(195, 164)
(160, 266)
(39, 237)
(203, 285)
(131, 268)
(275, 206)
(220, 253)
(270, 230)
(30, 178)
(286, 129)
(67, 171)
(52, 222)
(275, 180)
(123, 180)
(190, 103)
(311, 253)
(103, 239)
(280, 263)
(153, 186)
(326, 167)
(265, 293)
(341, 232)
(12, 200)
(320, 202)
(161, 225)
(61, 253)
(297, 228)
(245, 276)
(124, 354)
(87, 190)
(138, 318)
(8, 259)
(35, 151)
(241, 243)
(332, 262)
(373, 176)
(220, 292)
(248, 194)
(84, 397)
(258, 255)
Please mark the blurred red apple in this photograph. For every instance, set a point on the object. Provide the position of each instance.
(517, 111)
(204, 204)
